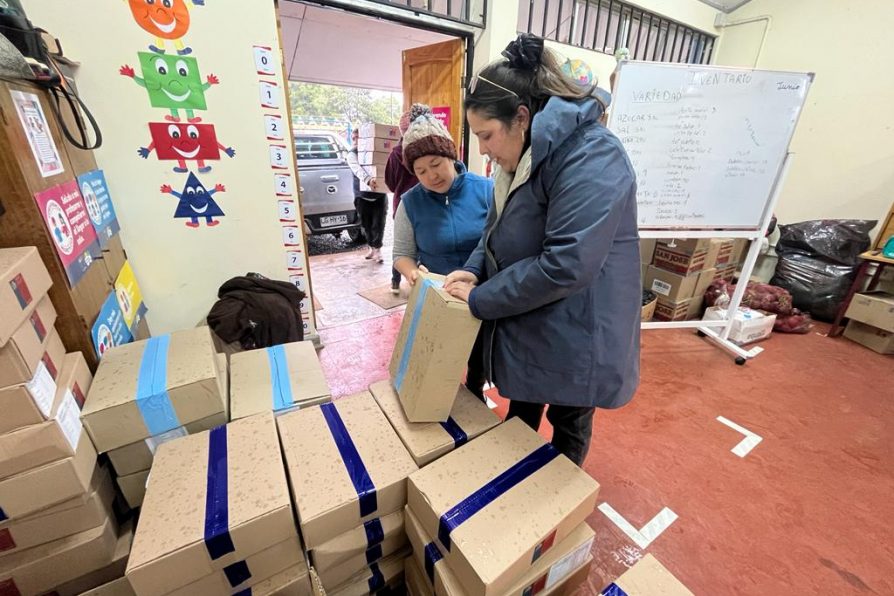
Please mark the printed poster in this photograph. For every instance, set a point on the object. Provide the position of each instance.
(442, 113)
(130, 298)
(33, 120)
(110, 330)
(95, 193)
(69, 224)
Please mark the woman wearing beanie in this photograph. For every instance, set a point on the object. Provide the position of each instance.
(439, 222)
(398, 178)
(556, 276)
(371, 205)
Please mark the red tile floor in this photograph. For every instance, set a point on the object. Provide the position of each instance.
(808, 511)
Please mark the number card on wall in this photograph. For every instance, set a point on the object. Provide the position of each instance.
(269, 93)
(275, 128)
(283, 185)
(264, 60)
(279, 157)
(291, 236)
(298, 282)
(286, 211)
(294, 260)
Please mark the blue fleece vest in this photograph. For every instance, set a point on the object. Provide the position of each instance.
(448, 226)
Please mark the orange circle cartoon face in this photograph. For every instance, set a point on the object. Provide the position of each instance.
(167, 19)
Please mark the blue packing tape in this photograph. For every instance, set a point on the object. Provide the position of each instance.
(217, 515)
(237, 573)
(363, 484)
(432, 556)
(491, 491)
(460, 437)
(375, 534)
(613, 590)
(3, 516)
(279, 378)
(373, 554)
(152, 393)
(411, 335)
(377, 580)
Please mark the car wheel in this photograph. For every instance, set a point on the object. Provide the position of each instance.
(356, 235)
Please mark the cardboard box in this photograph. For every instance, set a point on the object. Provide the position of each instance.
(49, 525)
(294, 581)
(276, 379)
(359, 541)
(647, 250)
(133, 487)
(57, 438)
(390, 572)
(725, 250)
(749, 325)
(740, 251)
(138, 456)
(535, 498)
(550, 574)
(875, 339)
(24, 280)
(334, 576)
(432, 350)
(43, 487)
(415, 579)
(243, 501)
(141, 333)
(321, 444)
(150, 387)
(373, 158)
(118, 587)
(22, 353)
(380, 131)
(671, 287)
(381, 185)
(109, 580)
(683, 264)
(691, 246)
(113, 257)
(29, 403)
(42, 568)
(376, 145)
(647, 577)
(727, 272)
(875, 309)
(427, 441)
(252, 570)
(91, 292)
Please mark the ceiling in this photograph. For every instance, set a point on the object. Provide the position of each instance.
(726, 5)
(334, 47)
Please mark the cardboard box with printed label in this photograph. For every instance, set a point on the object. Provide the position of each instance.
(673, 311)
(374, 158)
(28, 345)
(647, 577)
(58, 522)
(133, 487)
(388, 573)
(346, 466)
(647, 250)
(56, 438)
(534, 498)
(684, 264)
(42, 568)
(552, 574)
(377, 145)
(214, 499)
(276, 379)
(30, 403)
(427, 441)
(740, 251)
(875, 339)
(108, 580)
(24, 280)
(727, 272)
(669, 286)
(359, 541)
(432, 350)
(379, 131)
(691, 246)
(148, 388)
(748, 325)
(336, 575)
(875, 309)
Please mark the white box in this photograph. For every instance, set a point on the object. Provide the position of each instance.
(748, 325)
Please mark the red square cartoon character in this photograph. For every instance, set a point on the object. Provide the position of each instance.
(184, 142)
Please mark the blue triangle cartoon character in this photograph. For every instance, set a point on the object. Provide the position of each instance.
(196, 202)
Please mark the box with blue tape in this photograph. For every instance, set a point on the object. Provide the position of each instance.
(214, 499)
(151, 387)
(358, 541)
(376, 577)
(24, 280)
(432, 350)
(508, 493)
(647, 577)
(427, 441)
(346, 466)
(335, 575)
(276, 379)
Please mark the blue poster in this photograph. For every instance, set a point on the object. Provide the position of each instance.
(110, 329)
(99, 205)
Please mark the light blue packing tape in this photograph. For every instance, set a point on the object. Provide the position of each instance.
(411, 335)
(152, 388)
(279, 378)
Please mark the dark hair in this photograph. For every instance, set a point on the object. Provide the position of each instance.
(529, 75)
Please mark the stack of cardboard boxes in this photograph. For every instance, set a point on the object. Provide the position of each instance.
(375, 145)
(872, 321)
(149, 392)
(647, 577)
(56, 522)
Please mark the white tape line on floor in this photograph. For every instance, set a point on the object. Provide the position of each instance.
(649, 532)
(745, 445)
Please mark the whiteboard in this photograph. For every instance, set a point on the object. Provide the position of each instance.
(706, 142)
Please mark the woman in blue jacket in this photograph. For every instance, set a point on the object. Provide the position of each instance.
(556, 275)
(440, 220)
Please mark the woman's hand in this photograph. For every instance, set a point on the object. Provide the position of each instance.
(461, 290)
(414, 275)
(460, 277)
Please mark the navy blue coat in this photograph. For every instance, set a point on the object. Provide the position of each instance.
(560, 290)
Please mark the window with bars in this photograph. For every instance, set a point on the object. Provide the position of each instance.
(606, 26)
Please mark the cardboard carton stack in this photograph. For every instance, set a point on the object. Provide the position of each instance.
(276, 379)
(149, 392)
(56, 520)
(348, 474)
(375, 145)
(217, 518)
(507, 494)
(872, 321)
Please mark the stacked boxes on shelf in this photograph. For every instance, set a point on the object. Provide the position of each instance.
(375, 145)
(872, 321)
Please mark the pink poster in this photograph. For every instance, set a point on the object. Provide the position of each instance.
(68, 222)
(442, 113)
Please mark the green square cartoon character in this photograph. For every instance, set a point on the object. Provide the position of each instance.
(173, 82)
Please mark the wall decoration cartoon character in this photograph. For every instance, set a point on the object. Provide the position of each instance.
(185, 142)
(164, 19)
(173, 82)
(196, 202)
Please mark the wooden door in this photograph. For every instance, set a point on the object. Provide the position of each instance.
(433, 75)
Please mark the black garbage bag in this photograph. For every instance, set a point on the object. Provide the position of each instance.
(838, 240)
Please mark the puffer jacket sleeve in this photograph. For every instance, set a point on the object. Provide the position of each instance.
(587, 189)
(476, 261)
